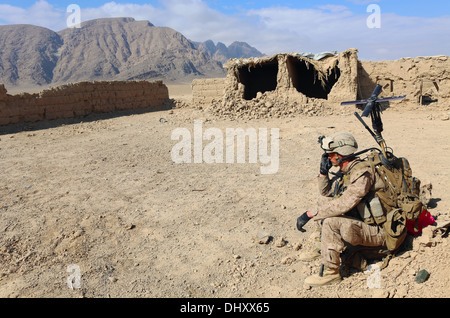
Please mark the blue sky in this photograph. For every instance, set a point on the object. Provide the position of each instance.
(429, 8)
(403, 28)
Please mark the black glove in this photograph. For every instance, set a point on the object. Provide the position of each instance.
(302, 220)
(325, 164)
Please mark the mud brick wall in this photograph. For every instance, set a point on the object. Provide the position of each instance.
(205, 91)
(80, 99)
(414, 77)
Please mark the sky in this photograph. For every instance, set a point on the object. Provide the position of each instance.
(379, 29)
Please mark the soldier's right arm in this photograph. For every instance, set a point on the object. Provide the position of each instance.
(355, 192)
(325, 185)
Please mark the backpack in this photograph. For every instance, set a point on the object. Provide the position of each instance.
(400, 197)
(391, 207)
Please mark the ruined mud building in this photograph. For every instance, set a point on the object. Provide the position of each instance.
(297, 80)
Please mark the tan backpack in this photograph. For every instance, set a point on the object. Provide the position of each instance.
(400, 197)
(389, 208)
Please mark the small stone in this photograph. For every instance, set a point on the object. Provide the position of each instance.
(427, 239)
(287, 260)
(422, 276)
(130, 226)
(297, 246)
(281, 242)
(263, 238)
(112, 279)
(78, 233)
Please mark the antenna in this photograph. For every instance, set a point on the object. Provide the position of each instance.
(372, 108)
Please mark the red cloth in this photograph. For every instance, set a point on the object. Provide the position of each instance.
(425, 219)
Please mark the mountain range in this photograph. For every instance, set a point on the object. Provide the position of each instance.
(222, 53)
(109, 49)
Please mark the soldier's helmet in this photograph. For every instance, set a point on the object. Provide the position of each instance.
(342, 143)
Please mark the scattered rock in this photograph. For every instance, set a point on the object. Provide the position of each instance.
(263, 238)
(426, 239)
(112, 279)
(130, 226)
(78, 233)
(422, 276)
(288, 260)
(298, 246)
(281, 242)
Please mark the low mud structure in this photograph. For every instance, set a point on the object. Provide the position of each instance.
(283, 85)
(80, 99)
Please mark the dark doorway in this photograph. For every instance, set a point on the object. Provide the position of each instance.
(306, 79)
(258, 78)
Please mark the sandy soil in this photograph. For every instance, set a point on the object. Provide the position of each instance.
(103, 193)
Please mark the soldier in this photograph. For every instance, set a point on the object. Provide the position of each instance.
(339, 218)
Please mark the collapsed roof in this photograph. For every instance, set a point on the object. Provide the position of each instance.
(327, 75)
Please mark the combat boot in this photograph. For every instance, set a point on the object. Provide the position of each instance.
(328, 276)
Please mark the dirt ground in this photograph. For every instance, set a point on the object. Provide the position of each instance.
(103, 194)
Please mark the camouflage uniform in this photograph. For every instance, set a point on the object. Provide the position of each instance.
(341, 221)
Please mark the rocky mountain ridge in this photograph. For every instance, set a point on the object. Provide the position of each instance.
(108, 49)
(221, 53)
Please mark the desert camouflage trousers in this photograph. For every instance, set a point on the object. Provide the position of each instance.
(336, 231)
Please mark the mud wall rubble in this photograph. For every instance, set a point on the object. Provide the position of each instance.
(286, 84)
(282, 85)
(80, 99)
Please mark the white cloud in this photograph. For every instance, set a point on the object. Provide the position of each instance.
(333, 8)
(41, 13)
(318, 30)
(310, 30)
(271, 30)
